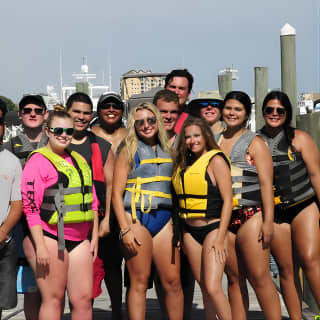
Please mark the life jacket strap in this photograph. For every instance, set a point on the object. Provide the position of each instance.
(156, 160)
(60, 205)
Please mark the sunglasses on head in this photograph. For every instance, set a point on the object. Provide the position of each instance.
(59, 131)
(279, 111)
(108, 105)
(213, 104)
(37, 111)
(140, 122)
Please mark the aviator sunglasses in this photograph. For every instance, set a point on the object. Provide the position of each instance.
(279, 111)
(108, 105)
(140, 122)
(59, 131)
(211, 103)
(37, 111)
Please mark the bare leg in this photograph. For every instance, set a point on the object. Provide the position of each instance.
(80, 281)
(281, 249)
(306, 238)
(256, 260)
(237, 285)
(139, 270)
(169, 272)
(52, 281)
(193, 251)
(212, 272)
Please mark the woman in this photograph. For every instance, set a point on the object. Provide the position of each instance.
(141, 198)
(296, 163)
(202, 182)
(61, 209)
(252, 216)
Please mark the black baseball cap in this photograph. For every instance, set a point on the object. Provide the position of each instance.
(109, 97)
(36, 99)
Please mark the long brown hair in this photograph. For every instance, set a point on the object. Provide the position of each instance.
(183, 156)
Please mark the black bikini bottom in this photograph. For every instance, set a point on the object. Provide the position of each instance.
(70, 244)
(286, 215)
(200, 233)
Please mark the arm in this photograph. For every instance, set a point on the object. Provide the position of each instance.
(261, 156)
(121, 171)
(15, 202)
(222, 176)
(311, 157)
(104, 227)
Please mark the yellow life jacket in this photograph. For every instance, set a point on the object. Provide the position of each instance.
(71, 194)
(197, 198)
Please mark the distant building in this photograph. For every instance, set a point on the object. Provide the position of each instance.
(137, 82)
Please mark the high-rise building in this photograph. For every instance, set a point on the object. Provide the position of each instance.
(136, 82)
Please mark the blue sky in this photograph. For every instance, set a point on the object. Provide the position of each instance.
(204, 36)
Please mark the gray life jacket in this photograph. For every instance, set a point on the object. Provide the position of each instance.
(22, 147)
(245, 181)
(149, 183)
(290, 175)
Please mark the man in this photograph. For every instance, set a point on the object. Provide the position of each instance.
(10, 213)
(99, 155)
(167, 103)
(33, 113)
(180, 81)
(110, 111)
(208, 109)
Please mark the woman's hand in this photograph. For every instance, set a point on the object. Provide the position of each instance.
(130, 242)
(104, 227)
(220, 250)
(266, 234)
(42, 256)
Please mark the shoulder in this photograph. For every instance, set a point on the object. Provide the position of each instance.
(302, 140)
(8, 156)
(219, 159)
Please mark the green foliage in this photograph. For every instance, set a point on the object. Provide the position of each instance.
(10, 104)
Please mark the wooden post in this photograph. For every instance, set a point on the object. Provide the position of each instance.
(288, 66)
(260, 91)
(225, 83)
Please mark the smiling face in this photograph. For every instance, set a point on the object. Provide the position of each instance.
(274, 114)
(33, 116)
(169, 112)
(210, 114)
(146, 126)
(58, 143)
(82, 115)
(110, 112)
(179, 85)
(195, 140)
(234, 113)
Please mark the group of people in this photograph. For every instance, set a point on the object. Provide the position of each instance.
(186, 189)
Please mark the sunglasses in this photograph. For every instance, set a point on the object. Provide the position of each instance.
(212, 104)
(279, 111)
(107, 106)
(59, 131)
(37, 111)
(140, 122)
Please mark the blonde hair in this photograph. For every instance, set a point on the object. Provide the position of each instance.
(130, 143)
